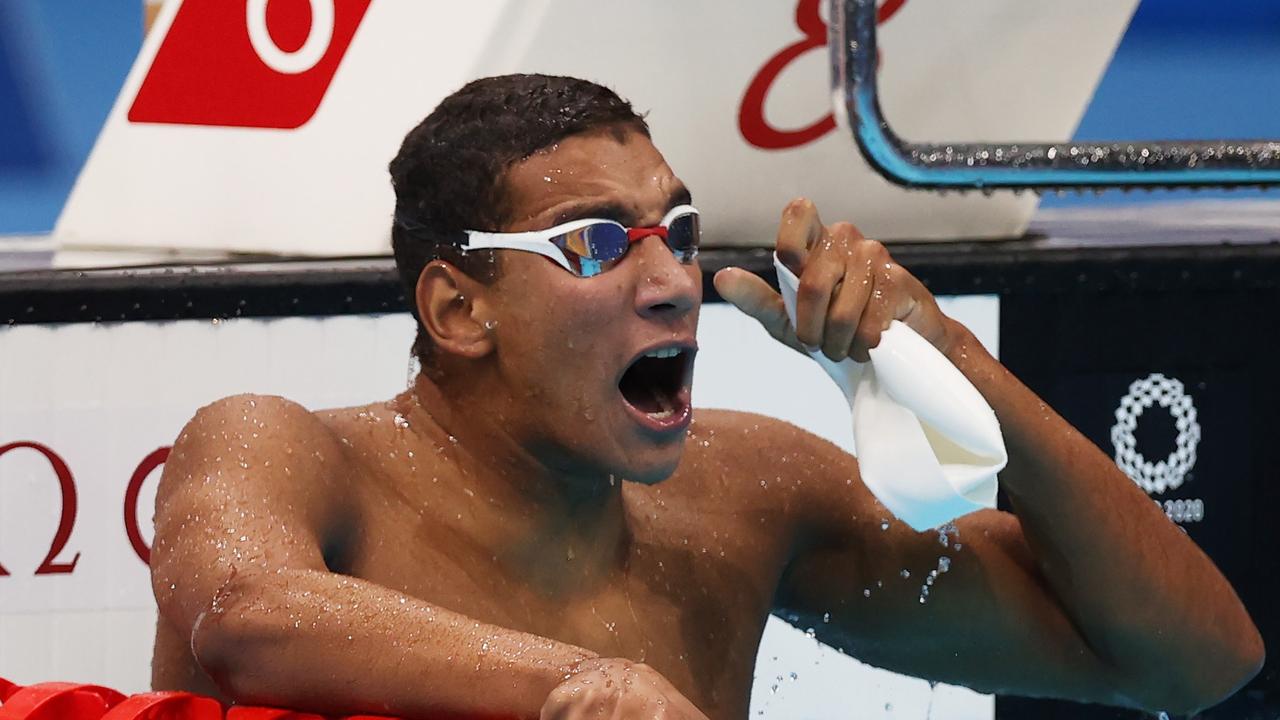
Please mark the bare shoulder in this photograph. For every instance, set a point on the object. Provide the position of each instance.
(257, 425)
(763, 459)
(261, 440)
(737, 437)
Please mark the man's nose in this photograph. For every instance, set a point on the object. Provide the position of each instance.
(666, 286)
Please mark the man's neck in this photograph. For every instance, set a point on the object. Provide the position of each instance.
(558, 530)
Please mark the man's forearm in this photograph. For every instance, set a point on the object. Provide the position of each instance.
(1144, 597)
(318, 641)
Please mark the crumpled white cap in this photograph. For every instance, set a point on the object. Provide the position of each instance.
(929, 446)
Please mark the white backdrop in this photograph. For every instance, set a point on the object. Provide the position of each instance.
(105, 396)
(984, 70)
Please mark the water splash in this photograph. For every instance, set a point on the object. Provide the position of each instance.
(944, 564)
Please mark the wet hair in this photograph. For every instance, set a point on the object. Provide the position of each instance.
(450, 171)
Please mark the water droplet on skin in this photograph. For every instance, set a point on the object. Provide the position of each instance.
(884, 525)
(905, 573)
(490, 324)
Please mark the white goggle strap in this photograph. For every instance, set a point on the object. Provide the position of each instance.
(516, 241)
(539, 241)
(535, 241)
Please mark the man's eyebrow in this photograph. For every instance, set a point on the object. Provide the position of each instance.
(605, 211)
(617, 211)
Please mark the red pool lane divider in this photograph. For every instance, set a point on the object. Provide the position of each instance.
(71, 701)
(59, 701)
(166, 706)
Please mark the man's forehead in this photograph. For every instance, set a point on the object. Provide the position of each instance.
(590, 170)
(600, 155)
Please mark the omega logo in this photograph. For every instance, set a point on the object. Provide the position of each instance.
(753, 125)
(1157, 478)
(67, 516)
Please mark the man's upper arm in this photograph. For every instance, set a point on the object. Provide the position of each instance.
(966, 607)
(247, 488)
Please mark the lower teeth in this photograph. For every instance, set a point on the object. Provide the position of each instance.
(666, 411)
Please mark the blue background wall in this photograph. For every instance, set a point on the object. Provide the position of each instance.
(1189, 69)
(61, 65)
(1185, 69)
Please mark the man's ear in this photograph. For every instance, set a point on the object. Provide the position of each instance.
(452, 309)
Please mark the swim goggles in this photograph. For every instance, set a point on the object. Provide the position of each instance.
(589, 246)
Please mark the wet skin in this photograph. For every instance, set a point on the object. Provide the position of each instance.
(471, 545)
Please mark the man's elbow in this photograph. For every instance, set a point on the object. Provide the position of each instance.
(233, 640)
(1204, 681)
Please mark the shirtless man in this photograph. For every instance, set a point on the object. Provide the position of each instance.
(538, 527)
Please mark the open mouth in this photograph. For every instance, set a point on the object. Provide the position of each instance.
(656, 386)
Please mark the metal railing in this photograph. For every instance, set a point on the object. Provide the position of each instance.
(1030, 166)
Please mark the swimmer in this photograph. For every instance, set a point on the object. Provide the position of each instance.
(542, 527)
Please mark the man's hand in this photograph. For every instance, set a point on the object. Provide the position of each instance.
(617, 689)
(850, 290)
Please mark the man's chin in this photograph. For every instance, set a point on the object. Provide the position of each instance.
(654, 469)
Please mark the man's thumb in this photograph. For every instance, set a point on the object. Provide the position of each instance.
(753, 296)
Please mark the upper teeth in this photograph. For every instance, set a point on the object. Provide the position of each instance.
(663, 353)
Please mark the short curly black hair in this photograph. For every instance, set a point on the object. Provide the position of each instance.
(448, 176)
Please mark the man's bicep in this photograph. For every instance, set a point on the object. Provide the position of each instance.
(968, 610)
(244, 490)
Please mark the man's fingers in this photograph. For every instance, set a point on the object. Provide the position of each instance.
(753, 296)
(888, 302)
(799, 230)
(846, 311)
(813, 298)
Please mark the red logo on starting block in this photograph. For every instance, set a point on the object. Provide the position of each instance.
(253, 63)
(753, 125)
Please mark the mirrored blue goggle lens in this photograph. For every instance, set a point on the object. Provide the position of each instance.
(593, 249)
(683, 235)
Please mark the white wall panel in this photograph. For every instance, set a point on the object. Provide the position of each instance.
(103, 396)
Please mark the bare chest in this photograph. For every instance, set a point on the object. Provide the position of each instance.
(690, 598)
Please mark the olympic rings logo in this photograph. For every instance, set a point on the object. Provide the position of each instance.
(1168, 393)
